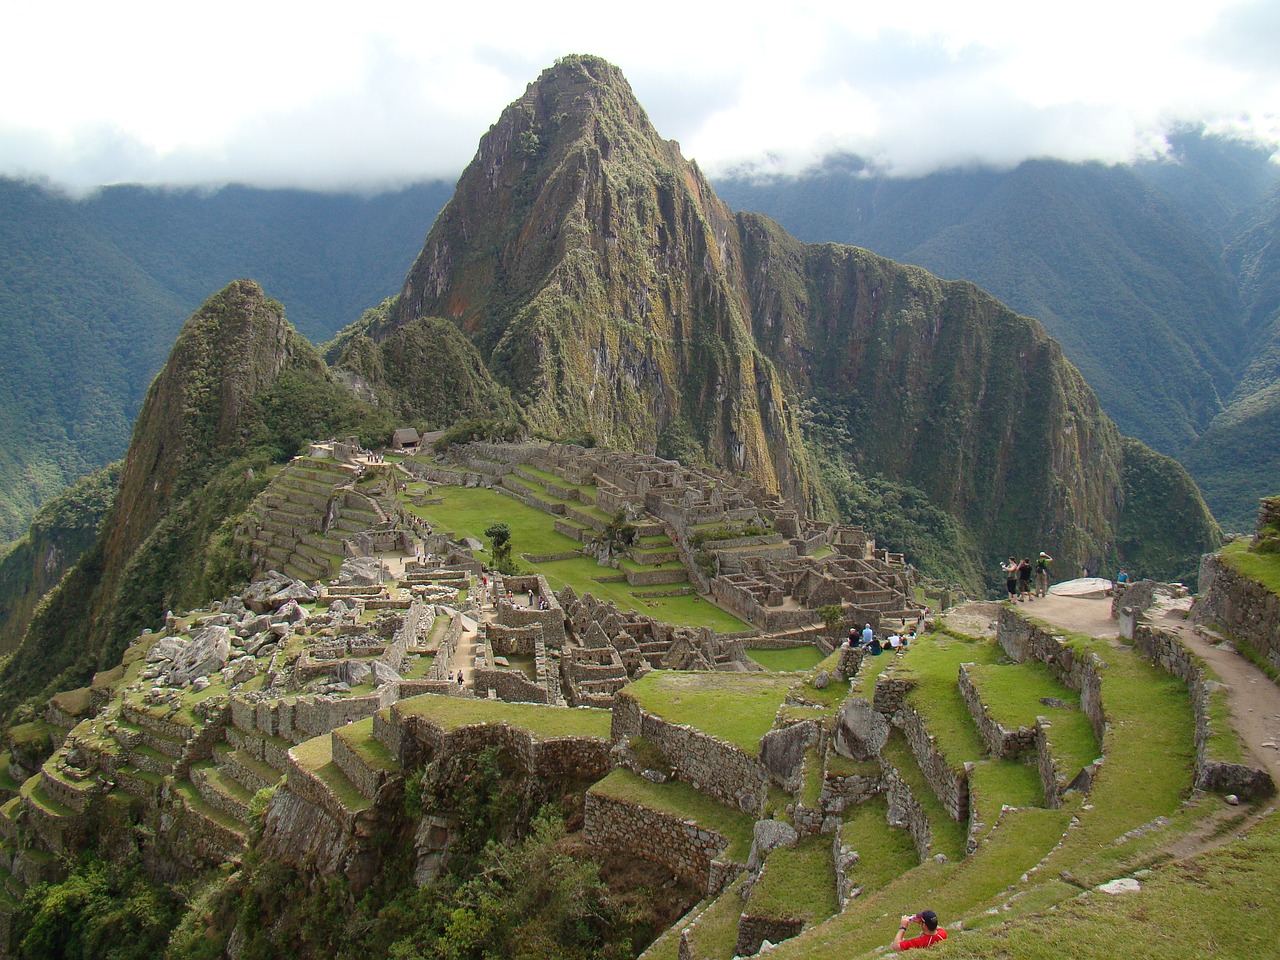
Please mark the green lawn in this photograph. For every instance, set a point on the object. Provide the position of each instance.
(787, 660)
(543, 722)
(736, 707)
(467, 512)
(798, 883)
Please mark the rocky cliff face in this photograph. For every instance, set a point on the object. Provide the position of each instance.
(605, 284)
(598, 275)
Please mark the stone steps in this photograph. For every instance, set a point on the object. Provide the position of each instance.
(365, 760)
(220, 791)
(315, 776)
(269, 750)
(135, 729)
(250, 772)
(72, 794)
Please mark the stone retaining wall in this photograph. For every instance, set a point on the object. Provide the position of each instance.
(1167, 651)
(1240, 607)
(687, 850)
(719, 769)
(1002, 742)
(753, 931)
(1023, 640)
(949, 784)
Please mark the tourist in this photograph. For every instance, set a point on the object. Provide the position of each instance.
(853, 636)
(875, 646)
(531, 598)
(1024, 579)
(459, 678)
(895, 642)
(1042, 574)
(1122, 576)
(1010, 568)
(930, 932)
(867, 635)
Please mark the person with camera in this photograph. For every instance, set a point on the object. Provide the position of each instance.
(930, 932)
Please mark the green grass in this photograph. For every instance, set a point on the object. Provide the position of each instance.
(1012, 694)
(884, 852)
(736, 707)
(468, 512)
(933, 662)
(798, 883)
(680, 799)
(1262, 567)
(716, 933)
(315, 756)
(787, 660)
(359, 737)
(1149, 748)
(949, 836)
(541, 722)
(1201, 907)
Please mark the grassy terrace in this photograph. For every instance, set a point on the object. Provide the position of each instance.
(542, 723)
(1021, 840)
(682, 801)
(315, 756)
(1013, 695)
(884, 852)
(798, 883)
(468, 512)
(787, 660)
(736, 707)
(949, 835)
(1263, 567)
(358, 737)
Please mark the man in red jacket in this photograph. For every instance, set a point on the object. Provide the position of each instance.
(930, 932)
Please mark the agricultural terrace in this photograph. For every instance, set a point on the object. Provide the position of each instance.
(735, 707)
(468, 512)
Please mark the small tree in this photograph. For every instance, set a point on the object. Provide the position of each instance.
(619, 534)
(832, 616)
(499, 535)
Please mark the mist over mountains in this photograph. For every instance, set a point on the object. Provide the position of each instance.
(1159, 279)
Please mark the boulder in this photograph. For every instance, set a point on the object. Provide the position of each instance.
(294, 592)
(383, 674)
(167, 649)
(206, 653)
(257, 597)
(360, 571)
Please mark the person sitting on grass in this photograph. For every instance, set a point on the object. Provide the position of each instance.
(930, 932)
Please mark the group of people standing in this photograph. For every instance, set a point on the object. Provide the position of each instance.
(1018, 577)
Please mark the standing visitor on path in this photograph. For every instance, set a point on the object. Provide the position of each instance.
(1024, 580)
(930, 932)
(1010, 568)
(1042, 574)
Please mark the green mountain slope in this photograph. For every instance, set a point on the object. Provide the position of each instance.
(1138, 298)
(93, 291)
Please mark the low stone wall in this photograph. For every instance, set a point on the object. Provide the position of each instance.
(753, 931)
(719, 769)
(509, 685)
(1166, 651)
(949, 784)
(1002, 742)
(296, 720)
(906, 811)
(687, 850)
(1240, 607)
(1023, 640)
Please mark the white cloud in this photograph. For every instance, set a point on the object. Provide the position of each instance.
(386, 91)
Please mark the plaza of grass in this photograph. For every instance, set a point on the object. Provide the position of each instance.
(1035, 867)
(469, 511)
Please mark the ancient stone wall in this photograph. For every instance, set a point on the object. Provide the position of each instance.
(717, 768)
(687, 850)
(1001, 741)
(1167, 651)
(1023, 640)
(1242, 608)
(949, 783)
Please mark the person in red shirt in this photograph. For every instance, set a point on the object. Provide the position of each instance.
(930, 932)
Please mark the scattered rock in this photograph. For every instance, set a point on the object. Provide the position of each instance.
(1232, 800)
(822, 680)
(1123, 885)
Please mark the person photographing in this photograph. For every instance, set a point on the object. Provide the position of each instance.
(930, 932)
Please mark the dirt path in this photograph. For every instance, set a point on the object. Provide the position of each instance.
(1253, 698)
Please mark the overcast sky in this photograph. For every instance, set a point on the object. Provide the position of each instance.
(380, 92)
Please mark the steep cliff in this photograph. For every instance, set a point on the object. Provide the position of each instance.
(595, 270)
(241, 388)
(605, 284)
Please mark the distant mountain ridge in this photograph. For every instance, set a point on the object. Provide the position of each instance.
(1141, 272)
(93, 292)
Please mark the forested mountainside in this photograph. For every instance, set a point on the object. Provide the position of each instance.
(1133, 269)
(596, 286)
(608, 288)
(93, 291)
